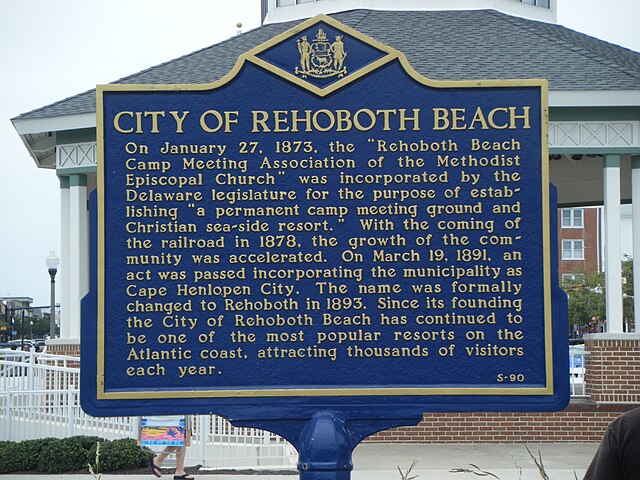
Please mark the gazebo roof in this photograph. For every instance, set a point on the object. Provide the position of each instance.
(443, 45)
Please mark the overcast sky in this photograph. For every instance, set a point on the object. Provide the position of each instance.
(50, 50)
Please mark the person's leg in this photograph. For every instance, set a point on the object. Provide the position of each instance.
(159, 459)
(182, 452)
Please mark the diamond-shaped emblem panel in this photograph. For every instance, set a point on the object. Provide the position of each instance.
(321, 55)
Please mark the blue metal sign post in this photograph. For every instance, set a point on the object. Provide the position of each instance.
(324, 244)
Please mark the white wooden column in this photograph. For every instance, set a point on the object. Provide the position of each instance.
(78, 252)
(73, 162)
(635, 198)
(63, 279)
(612, 249)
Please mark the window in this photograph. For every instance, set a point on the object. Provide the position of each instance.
(572, 218)
(572, 250)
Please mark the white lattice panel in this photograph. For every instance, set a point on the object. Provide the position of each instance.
(594, 134)
(76, 155)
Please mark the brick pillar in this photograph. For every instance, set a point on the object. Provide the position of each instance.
(63, 347)
(612, 373)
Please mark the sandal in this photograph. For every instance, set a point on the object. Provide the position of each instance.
(154, 468)
(186, 476)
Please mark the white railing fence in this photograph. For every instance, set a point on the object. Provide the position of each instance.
(39, 398)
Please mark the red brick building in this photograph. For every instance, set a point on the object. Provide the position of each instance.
(579, 242)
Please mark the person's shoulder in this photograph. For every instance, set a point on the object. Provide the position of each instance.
(629, 419)
(632, 415)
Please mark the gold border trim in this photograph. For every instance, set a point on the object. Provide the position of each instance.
(392, 54)
(323, 392)
(100, 301)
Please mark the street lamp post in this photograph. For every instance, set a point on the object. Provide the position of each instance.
(22, 332)
(6, 314)
(52, 261)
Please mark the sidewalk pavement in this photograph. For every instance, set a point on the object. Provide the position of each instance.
(434, 462)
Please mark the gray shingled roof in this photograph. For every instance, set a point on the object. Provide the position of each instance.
(442, 45)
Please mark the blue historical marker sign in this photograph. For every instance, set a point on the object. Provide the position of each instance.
(323, 228)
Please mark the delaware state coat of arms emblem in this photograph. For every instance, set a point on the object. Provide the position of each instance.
(321, 58)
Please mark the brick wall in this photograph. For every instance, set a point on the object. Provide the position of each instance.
(612, 384)
(613, 368)
(57, 347)
(578, 423)
(590, 234)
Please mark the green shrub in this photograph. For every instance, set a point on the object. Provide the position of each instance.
(28, 453)
(8, 453)
(119, 454)
(73, 454)
(67, 455)
(21, 456)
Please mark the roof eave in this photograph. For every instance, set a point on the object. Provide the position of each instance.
(57, 123)
(32, 154)
(594, 98)
(557, 98)
(33, 126)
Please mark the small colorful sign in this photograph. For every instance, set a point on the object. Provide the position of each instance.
(163, 431)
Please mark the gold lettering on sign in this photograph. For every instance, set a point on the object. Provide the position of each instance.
(320, 235)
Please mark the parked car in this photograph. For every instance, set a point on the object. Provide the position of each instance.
(17, 344)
